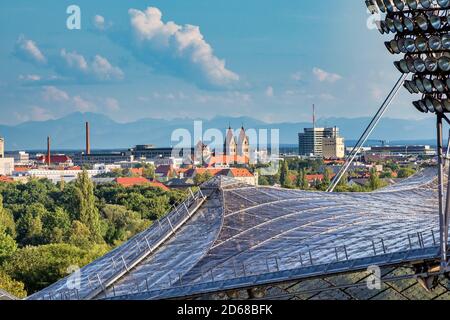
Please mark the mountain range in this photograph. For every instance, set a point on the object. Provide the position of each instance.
(68, 132)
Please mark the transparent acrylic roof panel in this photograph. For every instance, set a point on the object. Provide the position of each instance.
(255, 230)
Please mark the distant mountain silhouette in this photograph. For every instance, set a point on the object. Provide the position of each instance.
(68, 132)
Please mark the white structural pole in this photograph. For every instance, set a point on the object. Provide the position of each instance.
(376, 119)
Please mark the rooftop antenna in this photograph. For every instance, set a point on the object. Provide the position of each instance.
(314, 116)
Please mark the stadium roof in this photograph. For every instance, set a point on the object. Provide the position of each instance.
(230, 235)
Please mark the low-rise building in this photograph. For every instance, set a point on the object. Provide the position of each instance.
(6, 166)
(62, 174)
(240, 174)
(21, 158)
(81, 159)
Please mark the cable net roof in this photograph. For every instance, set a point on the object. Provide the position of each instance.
(241, 231)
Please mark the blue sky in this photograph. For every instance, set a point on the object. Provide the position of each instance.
(268, 59)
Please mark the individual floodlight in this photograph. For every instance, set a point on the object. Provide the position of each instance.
(408, 23)
(409, 45)
(439, 85)
(435, 43)
(435, 22)
(421, 21)
(391, 25)
(444, 64)
(427, 85)
(431, 64)
(398, 25)
(413, 86)
(402, 45)
(412, 4)
(423, 106)
(446, 105)
(446, 41)
(420, 107)
(420, 86)
(419, 65)
(381, 5)
(371, 6)
(410, 64)
(389, 5)
(426, 4)
(421, 44)
(399, 4)
(443, 3)
(407, 85)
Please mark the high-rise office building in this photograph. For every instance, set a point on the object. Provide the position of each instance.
(321, 142)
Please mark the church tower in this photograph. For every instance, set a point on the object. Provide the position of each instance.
(243, 144)
(230, 147)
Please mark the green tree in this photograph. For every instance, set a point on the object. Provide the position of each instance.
(405, 172)
(7, 246)
(122, 223)
(56, 225)
(327, 176)
(79, 235)
(7, 223)
(262, 180)
(374, 180)
(149, 171)
(88, 212)
(29, 225)
(38, 267)
(12, 286)
(202, 177)
(285, 180)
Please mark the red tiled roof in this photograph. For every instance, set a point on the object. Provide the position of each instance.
(158, 184)
(6, 179)
(21, 169)
(228, 159)
(139, 181)
(317, 177)
(234, 172)
(55, 158)
(138, 171)
(240, 173)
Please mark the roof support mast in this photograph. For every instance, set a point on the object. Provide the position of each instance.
(362, 140)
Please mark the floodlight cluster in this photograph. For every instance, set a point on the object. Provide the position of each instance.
(421, 31)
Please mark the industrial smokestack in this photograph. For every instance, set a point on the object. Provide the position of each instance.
(48, 160)
(88, 139)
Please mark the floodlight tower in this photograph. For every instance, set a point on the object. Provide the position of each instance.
(421, 30)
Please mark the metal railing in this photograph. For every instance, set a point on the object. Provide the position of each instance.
(122, 259)
(306, 258)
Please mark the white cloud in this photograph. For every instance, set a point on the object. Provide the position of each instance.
(28, 50)
(323, 75)
(83, 105)
(69, 65)
(178, 50)
(34, 113)
(297, 76)
(51, 93)
(75, 64)
(30, 77)
(99, 22)
(269, 92)
(112, 104)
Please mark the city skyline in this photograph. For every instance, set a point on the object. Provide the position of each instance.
(130, 61)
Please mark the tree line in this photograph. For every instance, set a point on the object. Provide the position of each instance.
(46, 228)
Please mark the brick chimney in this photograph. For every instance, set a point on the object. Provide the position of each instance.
(48, 158)
(88, 139)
